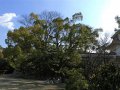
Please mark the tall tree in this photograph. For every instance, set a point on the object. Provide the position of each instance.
(53, 46)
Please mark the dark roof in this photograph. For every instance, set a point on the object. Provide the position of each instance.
(116, 33)
(115, 40)
(113, 43)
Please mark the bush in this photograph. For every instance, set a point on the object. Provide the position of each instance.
(5, 67)
(107, 77)
(76, 81)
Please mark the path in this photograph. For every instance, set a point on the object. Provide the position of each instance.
(8, 83)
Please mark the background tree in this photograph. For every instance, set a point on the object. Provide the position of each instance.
(103, 43)
(1, 52)
(117, 18)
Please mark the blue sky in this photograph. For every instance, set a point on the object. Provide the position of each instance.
(96, 13)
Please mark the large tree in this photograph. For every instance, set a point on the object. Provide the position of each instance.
(41, 47)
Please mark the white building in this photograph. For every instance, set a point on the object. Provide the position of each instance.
(114, 47)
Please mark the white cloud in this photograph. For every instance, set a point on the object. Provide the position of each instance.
(111, 10)
(6, 20)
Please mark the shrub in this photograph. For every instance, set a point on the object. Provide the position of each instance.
(76, 81)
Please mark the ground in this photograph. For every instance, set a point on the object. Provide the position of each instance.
(10, 83)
